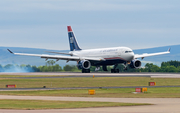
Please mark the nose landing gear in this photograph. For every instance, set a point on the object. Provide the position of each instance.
(114, 70)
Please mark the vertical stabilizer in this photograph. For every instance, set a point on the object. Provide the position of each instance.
(72, 40)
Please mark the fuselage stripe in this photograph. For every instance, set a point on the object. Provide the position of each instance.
(114, 58)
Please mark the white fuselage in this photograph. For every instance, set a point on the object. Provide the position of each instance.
(114, 53)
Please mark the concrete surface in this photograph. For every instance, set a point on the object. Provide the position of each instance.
(161, 105)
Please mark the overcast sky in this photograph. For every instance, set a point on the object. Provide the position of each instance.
(96, 23)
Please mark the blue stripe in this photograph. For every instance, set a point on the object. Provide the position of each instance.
(72, 42)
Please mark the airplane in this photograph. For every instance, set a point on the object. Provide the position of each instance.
(97, 57)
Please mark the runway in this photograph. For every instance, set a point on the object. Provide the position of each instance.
(160, 105)
(78, 74)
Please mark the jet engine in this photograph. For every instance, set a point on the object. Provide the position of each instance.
(84, 64)
(135, 63)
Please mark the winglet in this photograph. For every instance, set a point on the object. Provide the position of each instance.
(10, 51)
(169, 49)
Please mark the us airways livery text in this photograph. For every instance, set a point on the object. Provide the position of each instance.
(97, 57)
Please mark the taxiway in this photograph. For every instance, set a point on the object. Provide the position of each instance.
(160, 105)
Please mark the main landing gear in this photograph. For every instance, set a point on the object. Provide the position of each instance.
(85, 70)
(114, 70)
(125, 66)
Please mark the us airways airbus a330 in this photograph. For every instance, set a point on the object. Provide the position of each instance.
(96, 57)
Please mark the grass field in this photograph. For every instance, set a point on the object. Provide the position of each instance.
(170, 92)
(87, 82)
(41, 104)
(173, 92)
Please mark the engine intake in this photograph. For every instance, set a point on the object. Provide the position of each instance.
(84, 64)
(135, 63)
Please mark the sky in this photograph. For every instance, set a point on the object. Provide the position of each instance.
(96, 23)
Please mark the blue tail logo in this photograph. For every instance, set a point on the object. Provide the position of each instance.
(72, 40)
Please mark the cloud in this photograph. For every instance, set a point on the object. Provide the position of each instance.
(105, 23)
(25, 6)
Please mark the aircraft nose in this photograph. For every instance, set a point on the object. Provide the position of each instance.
(131, 56)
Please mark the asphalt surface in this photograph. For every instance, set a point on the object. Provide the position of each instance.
(160, 105)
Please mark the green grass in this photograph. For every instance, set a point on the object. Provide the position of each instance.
(41, 104)
(87, 82)
(172, 92)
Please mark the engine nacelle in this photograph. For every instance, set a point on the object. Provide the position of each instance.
(84, 64)
(135, 64)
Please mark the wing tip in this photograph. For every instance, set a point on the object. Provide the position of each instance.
(10, 51)
(169, 49)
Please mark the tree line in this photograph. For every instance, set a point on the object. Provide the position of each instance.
(50, 66)
(169, 66)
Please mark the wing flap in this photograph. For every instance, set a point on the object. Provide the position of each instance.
(60, 53)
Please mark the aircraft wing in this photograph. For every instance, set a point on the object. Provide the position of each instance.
(151, 54)
(59, 57)
(59, 53)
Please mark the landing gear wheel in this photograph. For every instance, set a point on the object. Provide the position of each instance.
(85, 70)
(114, 70)
(125, 69)
(117, 70)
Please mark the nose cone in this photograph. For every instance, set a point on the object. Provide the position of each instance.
(130, 56)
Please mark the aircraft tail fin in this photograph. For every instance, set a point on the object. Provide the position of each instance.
(72, 40)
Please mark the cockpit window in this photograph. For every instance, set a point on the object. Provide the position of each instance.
(128, 51)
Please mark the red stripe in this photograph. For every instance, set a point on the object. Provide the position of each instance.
(114, 58)
(69, 28)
